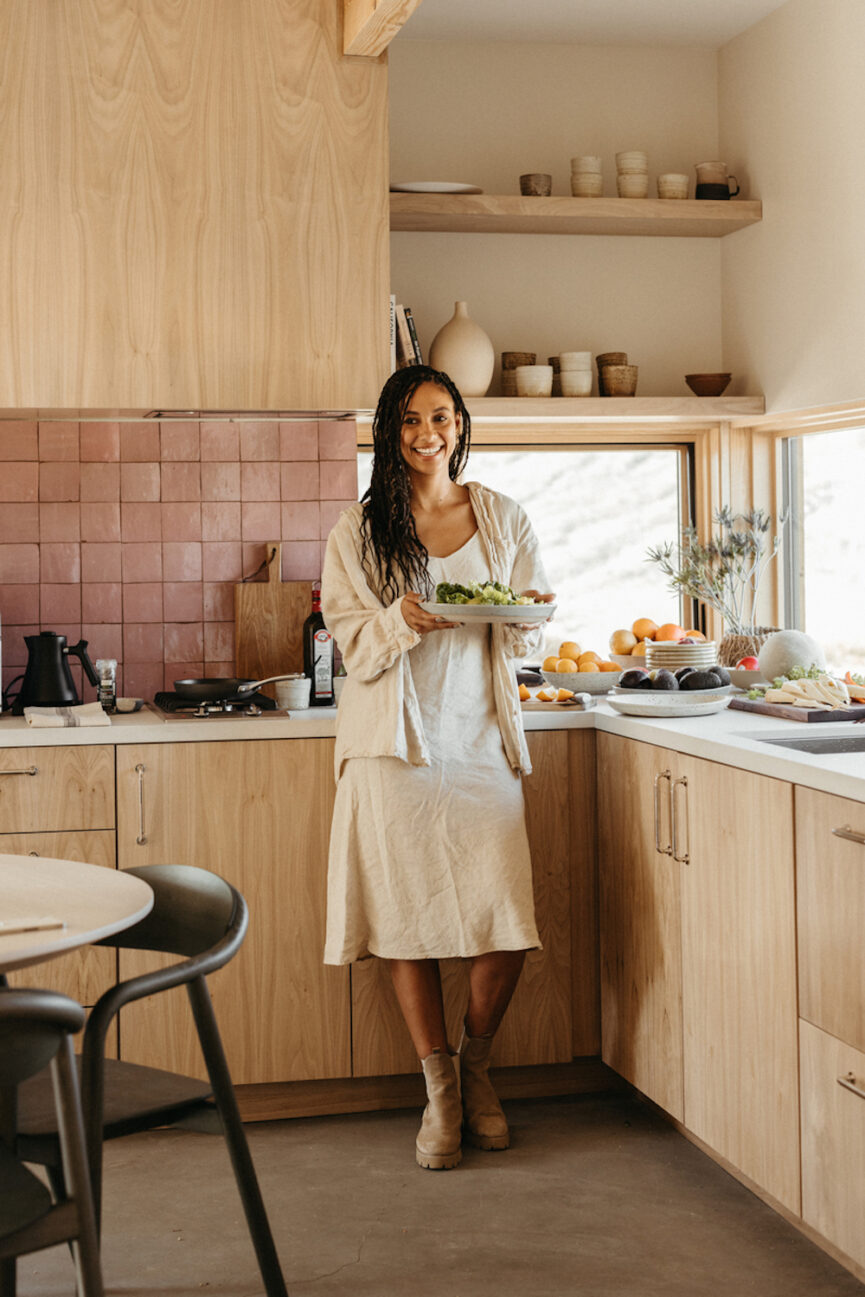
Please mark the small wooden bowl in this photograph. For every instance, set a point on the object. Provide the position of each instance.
(620, 380)
(707, 384)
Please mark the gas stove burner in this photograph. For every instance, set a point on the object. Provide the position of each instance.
(176, 705)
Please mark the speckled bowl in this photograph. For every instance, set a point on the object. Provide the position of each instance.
(583, 682)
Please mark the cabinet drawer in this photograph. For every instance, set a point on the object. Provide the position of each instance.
(833, 1139)
(44, 790)
(831, 914)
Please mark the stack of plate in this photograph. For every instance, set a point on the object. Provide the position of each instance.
(672, 655)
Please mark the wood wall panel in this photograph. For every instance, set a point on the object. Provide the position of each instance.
(194, 201)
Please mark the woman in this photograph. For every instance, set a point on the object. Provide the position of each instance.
(429, 857)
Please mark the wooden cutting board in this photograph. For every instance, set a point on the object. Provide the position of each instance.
(787, 712)
(268, 622)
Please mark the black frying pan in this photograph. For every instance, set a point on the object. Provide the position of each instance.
(216, 689)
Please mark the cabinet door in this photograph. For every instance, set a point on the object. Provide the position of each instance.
(641, 970)
(48, 789)
(739, 971)
(85, 973)
(831, 903)
(258, 814)
(537, 1027)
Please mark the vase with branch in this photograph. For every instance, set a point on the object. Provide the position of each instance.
(726, 573)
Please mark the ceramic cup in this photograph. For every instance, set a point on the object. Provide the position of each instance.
(672, 185)
(620, 380)
(586, 163)
(632, 160)
(534, 380)
(575, 360)
(587, 184)
(632, 184)
(576, 382)
(715, 173)
(293, 694)
(536, 184)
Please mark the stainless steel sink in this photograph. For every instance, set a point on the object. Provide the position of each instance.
(828, 744)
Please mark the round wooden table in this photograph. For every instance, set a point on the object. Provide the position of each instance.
(91, 901)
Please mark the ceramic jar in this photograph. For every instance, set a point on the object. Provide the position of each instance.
(463, 350)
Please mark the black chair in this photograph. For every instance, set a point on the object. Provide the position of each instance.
(35, 1029)
(201, 916)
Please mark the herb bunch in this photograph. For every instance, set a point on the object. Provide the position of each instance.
(727, 570)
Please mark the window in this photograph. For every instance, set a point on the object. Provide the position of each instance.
(826, 543)
(595, 512)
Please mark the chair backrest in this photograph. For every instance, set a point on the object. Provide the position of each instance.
(193, 912)
(32, 1026)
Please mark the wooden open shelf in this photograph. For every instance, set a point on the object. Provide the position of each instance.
(692, 410)
(514, 214)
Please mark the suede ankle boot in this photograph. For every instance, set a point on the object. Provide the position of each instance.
(438, 1142)
(484, 1123)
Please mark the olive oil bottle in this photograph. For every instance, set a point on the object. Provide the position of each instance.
(318, 655)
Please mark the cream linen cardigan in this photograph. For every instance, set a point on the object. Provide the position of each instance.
(379, 714)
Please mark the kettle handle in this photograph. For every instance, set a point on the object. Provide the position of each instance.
(79, 651)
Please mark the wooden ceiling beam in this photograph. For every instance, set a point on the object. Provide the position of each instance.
(369, 26)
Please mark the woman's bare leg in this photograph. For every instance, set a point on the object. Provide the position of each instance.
(418, 987)
(492, 981)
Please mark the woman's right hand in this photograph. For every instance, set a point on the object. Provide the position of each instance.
(418, 618)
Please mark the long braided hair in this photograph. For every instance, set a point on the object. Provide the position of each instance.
(392, 555)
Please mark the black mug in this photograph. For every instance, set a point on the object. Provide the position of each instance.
(717, 192)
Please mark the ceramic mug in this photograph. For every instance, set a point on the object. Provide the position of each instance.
(714, 175)
(293, 694)
(536, 184)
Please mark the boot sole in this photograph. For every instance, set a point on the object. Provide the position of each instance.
(438, 1161)
(491, 1143)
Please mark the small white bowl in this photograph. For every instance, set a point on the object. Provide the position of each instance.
(586, 184)
(576, 382)
(575, 360)
(583, 682)
(632, 185)
(586, 164)
(534, 380)
(632, 160)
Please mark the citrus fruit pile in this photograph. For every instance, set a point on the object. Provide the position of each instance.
(633, 642)
(572, 659)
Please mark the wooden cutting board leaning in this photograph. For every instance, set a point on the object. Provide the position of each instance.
(787, 712)
(268, 622)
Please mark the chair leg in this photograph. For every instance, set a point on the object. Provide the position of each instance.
(76, 1172)
(241, 1160)
(8, 1272)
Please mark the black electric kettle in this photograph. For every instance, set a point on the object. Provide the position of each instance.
(47, 679)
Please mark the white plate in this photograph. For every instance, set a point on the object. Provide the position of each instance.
(682, 695)
(666, 706)
(432, 187)
(510, 614)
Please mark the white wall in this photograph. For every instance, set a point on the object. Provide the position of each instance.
(483, 114)
(792, 114)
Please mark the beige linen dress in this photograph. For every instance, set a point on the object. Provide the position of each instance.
(432, 861)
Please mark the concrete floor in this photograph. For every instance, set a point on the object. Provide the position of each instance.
(596, 1197)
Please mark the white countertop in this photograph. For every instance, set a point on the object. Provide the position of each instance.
(731, 737)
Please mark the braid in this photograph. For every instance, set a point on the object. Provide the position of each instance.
(392, 554)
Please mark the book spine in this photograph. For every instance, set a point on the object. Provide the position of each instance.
(392, 334)
(409, 319)
(404, 348)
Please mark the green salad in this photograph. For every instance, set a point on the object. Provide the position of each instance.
(485, 592)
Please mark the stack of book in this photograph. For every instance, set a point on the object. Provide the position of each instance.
(405, 348)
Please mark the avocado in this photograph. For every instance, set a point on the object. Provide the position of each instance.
(702, 680)
(635, 678)
(665, 680)
(684, 671)
(722, 673)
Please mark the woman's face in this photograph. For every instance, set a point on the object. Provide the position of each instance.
(429, 431)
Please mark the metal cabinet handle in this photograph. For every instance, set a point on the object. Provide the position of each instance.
(850, 835)
(30, 770)
(142, 836)
(849, 1083)
(656, 786)
(684, 859)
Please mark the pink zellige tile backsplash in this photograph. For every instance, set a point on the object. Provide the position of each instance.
(132, 535)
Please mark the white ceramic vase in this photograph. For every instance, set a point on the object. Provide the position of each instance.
(463, 351)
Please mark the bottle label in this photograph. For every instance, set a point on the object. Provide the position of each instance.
(322, 664)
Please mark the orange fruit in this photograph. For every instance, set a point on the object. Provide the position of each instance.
(523, 694)
(669, 631)
(639, 650)
(570, 649)
(590, 656)
(550, 664)
(609, 666)
(588, 666)
(644, 628)
(564, 664)
(545, 696)
(622, 641)
(695, 634)
(563, 694)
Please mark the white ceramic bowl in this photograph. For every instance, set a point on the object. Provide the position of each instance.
(575, 360)
(586, 184)
(632, 160)
(673, 185)
(575, 382)
(583, 682)
(586, 163)
(632, 185)
(534, 380)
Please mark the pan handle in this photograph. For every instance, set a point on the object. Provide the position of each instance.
(256, 684)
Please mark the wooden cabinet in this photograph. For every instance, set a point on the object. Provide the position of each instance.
(698, 950)
(59, 801)
(200, 199)
(257, 813)
(539, 1026)
(830, 864)
(640, 907)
